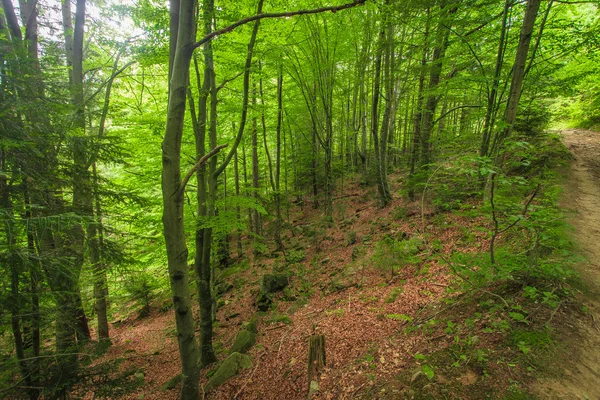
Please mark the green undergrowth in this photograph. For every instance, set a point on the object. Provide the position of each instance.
(501, 319)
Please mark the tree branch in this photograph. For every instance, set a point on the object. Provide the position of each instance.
(452, 110)
(244, 21)
(226, 81)
(199, 164)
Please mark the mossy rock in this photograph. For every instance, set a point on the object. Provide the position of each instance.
(230, 367)
(243, 342)
(223, 288)
(272, 283)
(251, 325)
(171, 383)
(350, 238)
(269, 284)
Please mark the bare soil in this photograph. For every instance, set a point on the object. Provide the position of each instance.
(576, 373)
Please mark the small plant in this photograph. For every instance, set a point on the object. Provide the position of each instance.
(426, 369)
(295, 256)
(339, 312)
(399, 317)
(142, 290)
(276, 319)
(393, 295)
(391, 254)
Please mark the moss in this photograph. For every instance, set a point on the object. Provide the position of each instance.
(229, 368)
(393, 295)
(243, 342)
(171, 383)
(280, 318)
(350, 238)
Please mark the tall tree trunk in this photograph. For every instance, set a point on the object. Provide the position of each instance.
(207, 184)
(278, 221)
(96, 245)
(255, 172)
(519, 65)
(385, 45)
(264, 128)
(443, 33)
(493, 92)
(418, 116)
(236, 171)
(173, 202)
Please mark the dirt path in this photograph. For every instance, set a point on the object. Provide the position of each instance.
(580, 369)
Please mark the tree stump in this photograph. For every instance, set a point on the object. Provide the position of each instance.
(316, 358)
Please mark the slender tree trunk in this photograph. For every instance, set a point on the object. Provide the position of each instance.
(96, 239)
(278, 221)
(236, 171)
(255, 172)
(384, 195)
(519, 65)
(173, 202)
(493, 93)
(264, 130)
(443, 33)
(418, 116)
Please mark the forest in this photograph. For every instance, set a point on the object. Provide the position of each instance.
(370, 199)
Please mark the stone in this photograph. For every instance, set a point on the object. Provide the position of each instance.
(269, 284)
(243, 342)
(272, 283)
(171, 383)
(350, 238)
(230, 367)
(223, 288)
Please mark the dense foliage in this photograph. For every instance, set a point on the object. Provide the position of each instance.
(255, 119)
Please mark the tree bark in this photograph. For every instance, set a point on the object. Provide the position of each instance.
(518, 76)
(173, 203)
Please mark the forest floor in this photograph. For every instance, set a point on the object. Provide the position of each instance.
(415, 334)
(576, 373)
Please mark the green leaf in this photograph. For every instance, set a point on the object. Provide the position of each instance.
(428, 371)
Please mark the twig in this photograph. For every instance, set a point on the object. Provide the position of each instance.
(272, 328)
(226, 81)
(438, 284)
(554, 313)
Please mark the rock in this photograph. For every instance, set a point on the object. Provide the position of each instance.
(272, 283)
(243, 342)
(251, 325)
(350, 238)
(269, 284)
(171, 383)
(229, 368)
(223, 288)
(401, 235)
(264, 301)
(232, 316)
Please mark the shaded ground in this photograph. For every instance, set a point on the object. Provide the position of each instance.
(577, 374)
(337, 290)
(348, 301)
